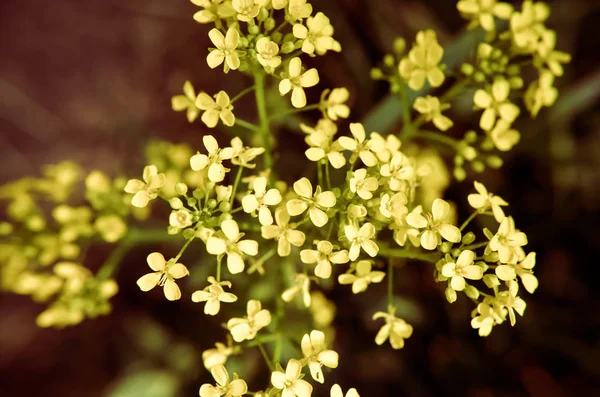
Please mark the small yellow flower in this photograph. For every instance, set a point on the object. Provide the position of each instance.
(324, 256)
(219, 354)
(213, 295)
(361, 238)
(359, 145)
(482, 12)
(503, 136)
(484, 200)
(246, 10)
(301, 285)
(215, 109)
(461, 269)
(242, 155)
(395, 329)
(186, 102)
(290, 381)
(214, 159)
(283, 232)
(541, 93)
(423, 61)
(246, 328)
(317, 355)
(164, 275)
(261, 200)
(320, 140)
(231, 245)
(267, 51)
(226, 49)
(213, 10)
(496, 104)
(336, 391)
(399, 170)
(435, 225)
(297, 81)
(362, 185)
(394, 206)
(316, 204)
(507, 242)
(298, 10)
(225, 386)
(432, 109)
(145, 190)
(180, 218)
(528, 25)
(507, 272)
(316, 36)
(362, 277)
(484, 318)
(111, 227)
(333, 103)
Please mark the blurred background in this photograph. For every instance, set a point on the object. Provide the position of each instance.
(91, 81)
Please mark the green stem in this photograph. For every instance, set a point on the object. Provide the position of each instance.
(108, 268)
(278, 28)
(219, 259)
(294, 111)
(261, 106)
(407, 130)
(247, 125)
(475, 246)
(319, 174)
(327, 178)
(469, 219)
(266, 357)
(182, 250)
(438, 137)
(241, 94)
(390, 286)
(238, 177)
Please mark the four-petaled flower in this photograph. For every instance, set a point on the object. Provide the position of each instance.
(316, 204)
(164, 275)
(267, 51)
(283, 232)
(484, 200)
(246, 328)
(431, 108)
(290, 381)
(396, 329)
(363, 276)
(226, 49)
(423, 61)
(215, 109)
(361, 238)
(214, 159)
(297, 81)
(231, 245)
(316, 354)
(435, 225)
(186, 102)
(146, 190)
(260, 201)
(225, 386)
(496, 104)
(316, 35)
(508, 242)
(482, 12)
(461, 269)
(324, 256)
(362, 185)
(333, 103)
(336, 391)
(359, 145)
(213, 295)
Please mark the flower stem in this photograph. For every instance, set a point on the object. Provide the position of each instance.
(218, 269)
(182, 250)
(261, 106)
(241, 94)
(108, 268)
(327, 178)
(246, 124)
(436, 136)
(390, 276)
(409, 254)
(469, 219)
(294, 111)
(266, 357)
(238, 177)
(320, 174)
(475, 246)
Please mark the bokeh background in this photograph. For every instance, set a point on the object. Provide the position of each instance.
(91, 81)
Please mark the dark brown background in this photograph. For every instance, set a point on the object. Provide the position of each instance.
(91, 81)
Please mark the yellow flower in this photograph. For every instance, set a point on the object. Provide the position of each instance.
(395, 329)
(111, 227)
(432, 109)
(297, 81)
(482, 12)
(336, 391)
(316, 204)
(316, 354)
(301, 284)
(503, 136)
(507, 272)
(226, 49)
(267, 51)
(213, 295)
(231, 245)
(333, 103)
(242, 155)
(496, 104)
(290, 381)
(362, 277)
(528, 25)
(145, 190)
(225, 386)
(320, 140)
(507, 242)
(213, 10)
(541, 93)
(214, 159)
(423, 61)
(484, 200)
(219, 354)
(361, 238)
(394, 206)
(359, 145)
(246, 328)
(298, 10)
(461, 269)
(362, 185)
(324, 256)
(246, 10)
(485, 317)
(546, 55)
(215, 109)
(283, 232)
(186, 102)
(435, 225)
(316, 35)
(164, 275)
(261, 200)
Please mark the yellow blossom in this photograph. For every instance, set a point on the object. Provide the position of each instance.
(261, 200)
(336, 391)
(213, 295)
(298, 10)
(432, 109)
(435, 224)
(482, 12)
(246, 328)
(213, 10)
(246, 10)
(507, 242)
(290, 381)
(231, 245)
(283, 232)
(226, 49)
(317, 355)
(461, 269)
(361, 238)
(423, 61)
(316, 36)
(267, 51)
(215, 109)
(214, 159)
(186, 102)
(333, 103)
(164, 275)
(145, 190)
(362, 277)
(297, 81)
(484, 200)
(541, 93)
(395, 329)
(301, 285)
(496, 104)
(316, 204)
(324, 256)
(362, 185)
(225, 386)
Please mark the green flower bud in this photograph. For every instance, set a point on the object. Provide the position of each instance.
(254, 29)
(389, 61)
(5, 228)
(450, 295)
(470, 136)
(479, 77)
(262, 15)
(460, 174)
(459, 160)
(224, 206)
(176, 203)
(198, 193)
(491, 280)
(35, 223)
(478, 166)
(269, 24)
(399, 45)
(469, 153)
(467, 69)
(376, 74)
(445, 247)
(189, 233)
(181, 189)
(494, 162)
(468, 238)
(287, 47)
(212, 204)
(471, 292)
(191, 202)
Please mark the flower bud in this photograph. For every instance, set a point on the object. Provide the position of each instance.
(376, 74)
(491, 280)
(191, 202)
(468, 238)
(389, 61)
(189, 233)
(470, 136)
(287, 47)
(262, 15)
(450, 295)
(253, 29)
(399, 45)
(212, 203)
(478, 166)
(176, 203)
(467, 69)
(494, 162)
(460, 174)
(471, 292)
(181, 188)
(445, 247)
(269, 24)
